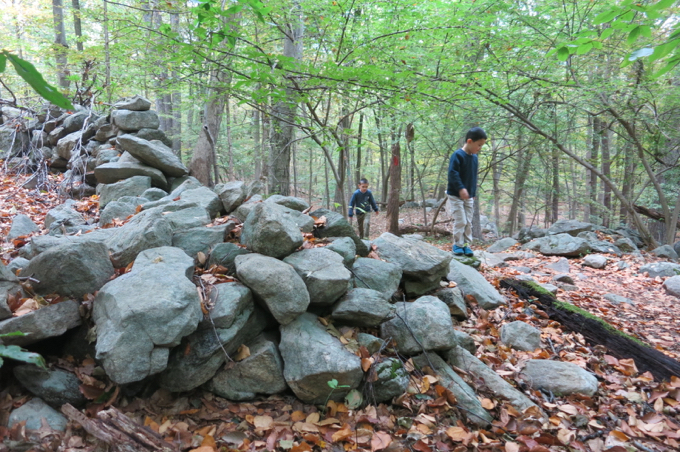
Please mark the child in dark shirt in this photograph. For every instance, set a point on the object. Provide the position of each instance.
(362, 201)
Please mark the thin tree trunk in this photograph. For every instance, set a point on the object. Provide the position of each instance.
(628, 180)
(594, 160)
(107, 53)
(395, 185)
(496, 157)
(230, 148)
(258, 144)
(555, 192)
(357, 169)
(60, 45)
(606, 171)
(77, 27)
(311, 174)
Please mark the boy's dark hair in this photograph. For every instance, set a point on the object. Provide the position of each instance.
(363, 180)
(475, 134)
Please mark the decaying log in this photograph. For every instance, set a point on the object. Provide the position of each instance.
(596, 332)
(413, 229)
(651, 213)
(118, 431)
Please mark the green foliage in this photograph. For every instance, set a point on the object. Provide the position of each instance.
(19, 354)
(29, 73)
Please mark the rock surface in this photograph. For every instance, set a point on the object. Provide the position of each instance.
(33, 412)
(323, 273)
(521, 336)
(561, 378)
(271, 230)
(472, 283)
(377, 275)
(363, 307)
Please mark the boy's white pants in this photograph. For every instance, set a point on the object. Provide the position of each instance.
(461, 211)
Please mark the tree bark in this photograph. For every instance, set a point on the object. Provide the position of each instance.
(395, 185)
(60, 45)
(605, 135)
(77, 26)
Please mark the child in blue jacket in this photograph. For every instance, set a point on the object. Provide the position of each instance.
(362, 200)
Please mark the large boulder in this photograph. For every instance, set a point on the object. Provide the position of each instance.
(665, 251)
(204, 197)
(391, 381)
(337, 226)
(560, 378)
(13, 141)
(533, 232)
(323, 273)
(259, 373)
(453, 297)
(471, 282)
(50, 321)
(676, 247)
(154, 135)
(132, 121)
(201, 239)
(21, 225)
(154, 154)
(559, 245)
(141, 315)
(345, 247)
(34, 412)
(672, 286)
(271, 230)
(111, 172)
(234, 320)
(116, 210)
(181, 216)
(377, 275)
(9, 285)
(423, 265)
(313, 357)
(173, 257)
(224, 254)
(363, 307)
(134, 103)
(54, 386)
(64, 215)
(521, 336)
(66, 145)
(231, 194)
(502, 245)
(75, 121)
(71, 269)
(291, 202)
(660, 269)
(422, 325)
(275, 284)
(571, 227)
(145, 230)
(133, 186)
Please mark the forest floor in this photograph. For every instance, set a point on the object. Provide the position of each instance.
(630, 411)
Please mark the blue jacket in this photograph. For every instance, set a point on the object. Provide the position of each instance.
(363, 201)
(462, 173)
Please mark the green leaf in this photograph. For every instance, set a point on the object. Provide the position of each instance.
(641, 53)
(630, 15)
(607, 32)
(606, 16)
(17, 353)
(332, 383)
(563, 54)
(664, 49)
(14, 334)
(3, 62)
(633, 35)
(646, 31)
(584, 48)
(29, 73)
(663, 4)
(353, 399)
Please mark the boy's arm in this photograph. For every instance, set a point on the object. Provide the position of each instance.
(454, 175)
(373, 203)
(351, 205)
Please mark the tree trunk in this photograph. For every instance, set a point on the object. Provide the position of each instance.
(77, 27)
(203, 160)
(628, 182)
(497, 167)
(594, 160)
(257, 143)
(395, 185)
(107, 53)
(605, 136)
(555, 192)
(357, 169)
(230, 147)
(176, 101)
(60, 45)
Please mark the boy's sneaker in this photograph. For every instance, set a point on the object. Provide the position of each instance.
(458, 250)
(467, 251)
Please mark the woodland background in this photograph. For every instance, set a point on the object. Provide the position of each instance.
(580, 99)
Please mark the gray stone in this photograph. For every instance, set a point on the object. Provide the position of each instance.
(502, 245)
(313, 357)
(54, 386)
(550, 288)
(373, 344)
(275, 283)
(423, 265)
(465, 395)
(323, 273)
(672, 286)
(53, 137)
(392, 381)
(259, 373)
(105, 133)
(571, 227)
(465, 340)
(338, 226)
(14, 265)
(560, 378)
(49, 321)
(76, 121)
(489, 259)
(109, 155)
(563, 278)
(676, 247)
(427, 319)
(204, 197)
(13, 141)
(291, 202)
(231, 194)
(559, 245)
(527, 234)
(521, 336)
(515, 256)
(617, 299)
(140, 316)
(111, 172)
(154, 135)
(64, 214)
(22, 225)
(39, 139)
(625, 244)
(142, 232)
(622, 265)
(154, 154)
(271, 230)
(154, 194)
(9, 285)
(66, 145)
(255, 188)
(453, 298)
(133, 186)
(471, 282)
(464, 359)
(304, 222)
(71, 269)
(363, 307)
(184, 216)
(377, 275)
(132, 121)
(665, 251)
(201, 239)
(174, 258)
(660, 269)
(224, 254)
(178, 184)
(595, 261)
(561, 265)
(33, 412)
(134, 103)
(345, 247)
(116, 210)
(243, 210)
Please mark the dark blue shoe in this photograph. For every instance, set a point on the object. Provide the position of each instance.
(468, 252)
(458, 250)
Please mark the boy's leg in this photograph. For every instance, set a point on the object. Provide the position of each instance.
(469, 207)
(455, 207)
(360, 223)
(367, 225)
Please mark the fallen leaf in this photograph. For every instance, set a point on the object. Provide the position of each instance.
(380, 441)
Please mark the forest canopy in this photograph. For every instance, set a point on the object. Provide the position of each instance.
(579, 98)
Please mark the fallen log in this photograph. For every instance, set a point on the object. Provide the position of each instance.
(651, 213)
(597, 331)
(118, 431)
(412, 229)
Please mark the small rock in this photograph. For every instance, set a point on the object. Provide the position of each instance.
(563, 278)
(562, 265)
(595, 261)
(21, 225)
(453, 298)
(672, 286)
(521, 336)
(33, 412)
(363, 307)
(561, 378)
(54, 386)
(617, 299)
(550, 288)
(666, 251)
(502, 245)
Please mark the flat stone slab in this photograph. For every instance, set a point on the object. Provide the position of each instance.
(471, 282)
(154, 154)
(50, 321)
(561, 378)
(109, 173)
